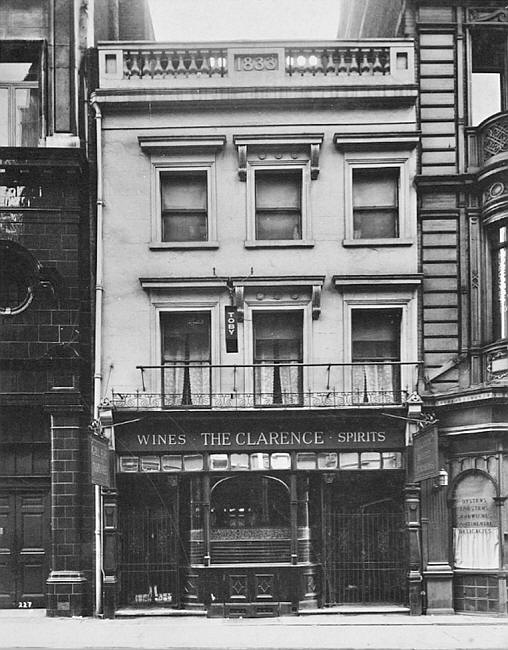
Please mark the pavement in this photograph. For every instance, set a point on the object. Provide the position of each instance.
(33, 629)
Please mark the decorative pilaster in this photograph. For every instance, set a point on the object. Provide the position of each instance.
(412, 518)
(67, 583)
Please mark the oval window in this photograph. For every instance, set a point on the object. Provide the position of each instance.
(17, 276)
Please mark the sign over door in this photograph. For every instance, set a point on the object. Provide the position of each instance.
(100, 462)
(426, 453)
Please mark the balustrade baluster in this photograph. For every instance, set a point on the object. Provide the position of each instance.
(170, 68)
(135, 71)
(300, 63)
(353, 66)
(309, 65)
(377, 68)
(205, 63)
(181, 69)
(146, 70)
(290, 61)
(193, 68)
(157, 68)
(342, 66)
(329, 67)
(214, 63)
(365, 67)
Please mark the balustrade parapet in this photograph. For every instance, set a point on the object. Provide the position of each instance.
(255, 63)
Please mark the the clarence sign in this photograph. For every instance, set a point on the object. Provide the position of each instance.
(259, 439)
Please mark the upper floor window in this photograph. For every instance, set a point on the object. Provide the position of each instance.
(488, 91)
(278, 204)
(375, 203)
(20, 102)
(184, 205)
(375, 346)
(499, 240)
(186, 356)
(278, 355)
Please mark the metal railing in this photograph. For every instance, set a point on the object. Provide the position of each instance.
(284, 384)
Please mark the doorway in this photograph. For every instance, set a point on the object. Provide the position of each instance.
(24, 537)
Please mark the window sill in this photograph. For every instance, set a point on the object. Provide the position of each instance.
(186, 245)
(279, 243)
(389, 241)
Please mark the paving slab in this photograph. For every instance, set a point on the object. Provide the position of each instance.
(390, 632)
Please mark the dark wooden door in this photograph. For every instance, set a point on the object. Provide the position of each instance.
(24, 537)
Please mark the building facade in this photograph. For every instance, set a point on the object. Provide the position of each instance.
(259, 331)
(45, 537)
(462, 179)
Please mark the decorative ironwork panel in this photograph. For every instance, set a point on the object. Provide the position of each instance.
(495, 139)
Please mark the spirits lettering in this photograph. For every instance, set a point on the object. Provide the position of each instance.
(361, 436)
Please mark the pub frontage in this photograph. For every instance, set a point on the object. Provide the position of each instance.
(258, 514)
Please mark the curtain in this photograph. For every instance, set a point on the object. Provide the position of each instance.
(186, 363)
(274, 383)
(375, 383)
(476, 548)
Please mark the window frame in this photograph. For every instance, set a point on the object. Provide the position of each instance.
(248, 343)
(254, 166)
(210, 307)
(182, 167)
(401, 298)
(406, 209)
(35, 50)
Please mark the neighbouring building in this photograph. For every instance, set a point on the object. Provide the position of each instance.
(259, 331)
(46, 499)
(462, 184)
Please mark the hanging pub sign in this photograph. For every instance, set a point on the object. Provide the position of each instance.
(100, 462)
(231, 322)
(426, 453)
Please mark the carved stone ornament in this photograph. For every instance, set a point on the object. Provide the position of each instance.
(488, 15)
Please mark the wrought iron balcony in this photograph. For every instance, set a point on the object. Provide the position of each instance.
(195, 385)
(488, 142)
(184, 65)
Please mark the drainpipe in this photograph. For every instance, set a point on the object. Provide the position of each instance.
(97, 378)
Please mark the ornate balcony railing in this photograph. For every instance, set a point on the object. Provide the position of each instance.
(487, 140)
(254, 63)
(289, 384)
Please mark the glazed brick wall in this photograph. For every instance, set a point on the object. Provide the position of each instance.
(45, 345)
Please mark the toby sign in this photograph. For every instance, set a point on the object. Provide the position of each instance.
(231, 324)
(100, 462)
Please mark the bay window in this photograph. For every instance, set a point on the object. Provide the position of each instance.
(499, 241)
(278, 355)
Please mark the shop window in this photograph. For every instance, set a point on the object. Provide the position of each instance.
(375, 203)
(219, 462)
(239, 461)
(250, 502)
(475, 523)
(259, 461)
(375, 345)
(349, 460)
(150, 464)
(20, 101)
(280, 461)
(499, 242)
(278, 355)
(278, 204)
(186, 356)
(488, 89)
(184, 205)
(306, 460)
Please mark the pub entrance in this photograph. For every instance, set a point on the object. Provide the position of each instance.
(364, 541)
